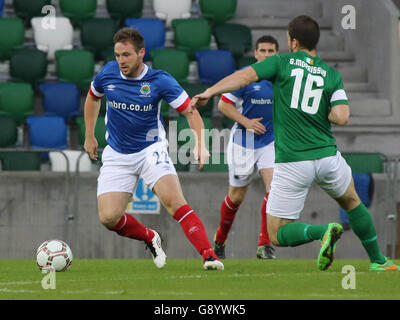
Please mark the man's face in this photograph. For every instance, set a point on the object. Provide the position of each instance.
(265, 50)
(128, 59)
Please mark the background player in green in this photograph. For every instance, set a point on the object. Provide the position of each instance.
(308, 97)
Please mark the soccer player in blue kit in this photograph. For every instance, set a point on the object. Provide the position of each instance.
(251, 144)
(137, 146)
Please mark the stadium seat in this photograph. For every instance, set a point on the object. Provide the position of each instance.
(195, 88)
(245, 61)
(20, 161)
(234, 37)
(12, 35)
(29, 65)
(218, 12)
(175, 62)
(99, 131)
(16, 100)
(27, 9)
(75, 66)
(97, 36)
(213, 65)
(121, 9)
(169, 10)
(191, 35)
(8, 132)
(47, 132)
(2, 7)
(78, 10)
(152, 30)
(51, 40)
(61, 99)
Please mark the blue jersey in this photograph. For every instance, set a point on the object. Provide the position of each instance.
(133, 119)
(253, 101)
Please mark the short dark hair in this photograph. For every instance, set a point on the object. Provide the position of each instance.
(131, 35)
(305, 30)
(267, 39)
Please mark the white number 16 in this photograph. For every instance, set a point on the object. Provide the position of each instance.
(308, 92)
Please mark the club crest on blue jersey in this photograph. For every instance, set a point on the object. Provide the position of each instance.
(145, 89)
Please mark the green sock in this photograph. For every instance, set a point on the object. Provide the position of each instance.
(297, 233)
(363, 226)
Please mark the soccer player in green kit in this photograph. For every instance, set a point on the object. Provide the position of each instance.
(308, 97)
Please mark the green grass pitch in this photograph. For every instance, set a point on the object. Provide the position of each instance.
(139, 279)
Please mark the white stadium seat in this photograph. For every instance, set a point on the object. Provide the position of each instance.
(59, 163)
(50, 38)
(173, 9)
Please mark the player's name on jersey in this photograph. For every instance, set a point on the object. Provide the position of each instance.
(310, 68)
(262, 101)
(131, 107)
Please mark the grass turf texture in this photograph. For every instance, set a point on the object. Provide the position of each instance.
(139, 279)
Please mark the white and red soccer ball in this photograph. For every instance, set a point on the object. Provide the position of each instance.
(54, 254)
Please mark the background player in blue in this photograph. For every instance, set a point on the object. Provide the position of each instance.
(253, 113)
(137, 146)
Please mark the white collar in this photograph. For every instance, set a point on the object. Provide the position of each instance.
(139, 77)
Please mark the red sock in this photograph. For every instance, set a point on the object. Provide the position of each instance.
(129, 227)
(264, 239)
(193, 228)
(228, 212)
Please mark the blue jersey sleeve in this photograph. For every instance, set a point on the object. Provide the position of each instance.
(173, 93)
(96, 87)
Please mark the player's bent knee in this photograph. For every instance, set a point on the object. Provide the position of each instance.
(108, 219)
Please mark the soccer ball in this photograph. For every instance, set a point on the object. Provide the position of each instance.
(54, 254)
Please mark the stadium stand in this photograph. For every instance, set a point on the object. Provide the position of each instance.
(213, 65)
(152, 30)
(8, 132)
(16, 100)
(170, 10)
(175, 62)
(47, 132)
(68, 106)
(234, 37)
(75, 66)
(52, 39)
(97, 36)
(2, 7)
(218, 12)
(27, 9)
(122, 9)
(28, 65)
(12, 35)
(191, 35)
(78, 10)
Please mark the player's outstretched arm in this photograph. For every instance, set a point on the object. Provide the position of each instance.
(233, 82)
(339, 114)
(196, 123)
(231, 112)
(91, 112)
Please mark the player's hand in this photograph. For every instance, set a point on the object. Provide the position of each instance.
(201, 154)
(200, 99)
(255, 125)
(91, 147)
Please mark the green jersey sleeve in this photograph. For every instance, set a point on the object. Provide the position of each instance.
(338, 95)
(268, 68)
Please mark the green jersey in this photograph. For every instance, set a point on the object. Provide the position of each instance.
(305, 88)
